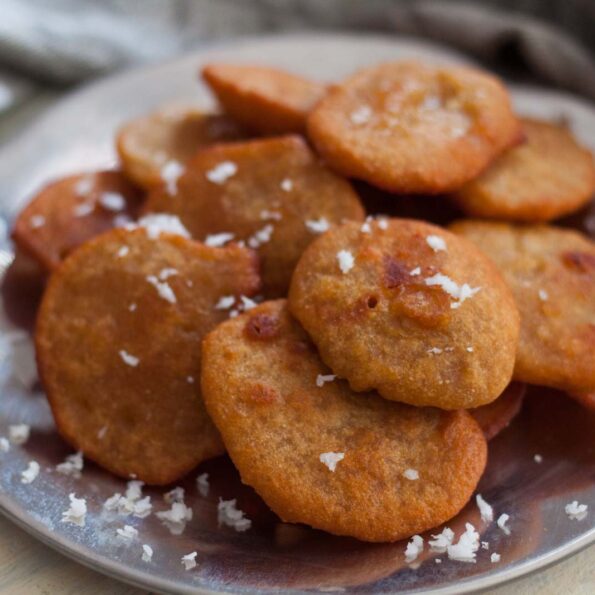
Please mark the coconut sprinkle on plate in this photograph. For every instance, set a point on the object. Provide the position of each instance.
(228, 514)
(501, 522)
(202, 484)
(440, 542)
(485, 509)
(72, 465)
(414, 548)
(76, 512)
(189, 560)
(29, 475)
(19, 433)
(464, 550)
(147, 555)
(576, 511)
(127, 533)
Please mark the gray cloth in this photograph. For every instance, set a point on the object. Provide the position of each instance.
(64, 42)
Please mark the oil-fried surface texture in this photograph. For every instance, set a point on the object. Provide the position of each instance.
(585, 399)
(260, 389)
(495, 416)
(547, 176)
(70, 211)
(175, 133)
(551, 272)
(394, 323)
(278, 198)
(408, 127)
(118, 349)
(264, 99)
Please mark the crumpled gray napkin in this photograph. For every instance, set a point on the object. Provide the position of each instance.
(63, 42)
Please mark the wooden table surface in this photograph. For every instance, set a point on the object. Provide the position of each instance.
(29, 567)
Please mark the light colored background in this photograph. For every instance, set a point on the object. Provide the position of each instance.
(29, 567)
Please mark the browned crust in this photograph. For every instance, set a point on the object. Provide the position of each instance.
(237, 205)
(157, 428)
(551, 272)
(62, 231)
(497, 415)
(172, 133)
(547, 177)
(275, 442)
(264, 99)
(379, 325)
(403, 149)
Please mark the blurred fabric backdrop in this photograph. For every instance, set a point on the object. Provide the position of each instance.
(49, 46)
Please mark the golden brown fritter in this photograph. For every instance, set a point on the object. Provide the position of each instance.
(548, 176)
(274, 194)
(264, 99)
(146, 145)
(551, 272)
(414, 128)
(261, 382)
(407, 308)
(118, 348)
(71, 210)
(495, 416)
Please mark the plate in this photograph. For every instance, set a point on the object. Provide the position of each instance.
(77, 134)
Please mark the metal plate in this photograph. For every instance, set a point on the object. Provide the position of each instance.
(78, 135)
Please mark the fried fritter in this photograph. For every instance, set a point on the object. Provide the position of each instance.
(69, 211)
(118, 348)
(414, 128)
(548, 176)
(410, 310)
(167, 138)
(274, 194)
(264, 99)
(321, 455)
(551, 272)
(585, 399)
(495, 416)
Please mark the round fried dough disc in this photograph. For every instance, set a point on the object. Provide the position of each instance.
(264, 99)
(585, 399)
(408, 309)
(551, 272)
(321, 455)
(118, 347)
(413, 128)
(497, 415)
(69, 211)
(273, 194)
(171, 135)
(548, 176)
